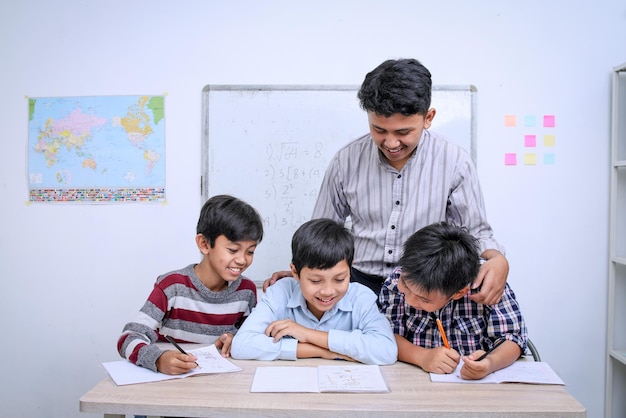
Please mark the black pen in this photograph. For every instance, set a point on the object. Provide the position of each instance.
(170, 339)
(496, 345)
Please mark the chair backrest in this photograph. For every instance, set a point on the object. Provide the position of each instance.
(533, 350)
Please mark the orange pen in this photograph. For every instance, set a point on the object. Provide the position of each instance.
(443, 334)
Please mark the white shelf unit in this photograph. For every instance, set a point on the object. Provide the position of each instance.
(615, 403)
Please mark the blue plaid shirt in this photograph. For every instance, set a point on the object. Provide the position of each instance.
(469, 326)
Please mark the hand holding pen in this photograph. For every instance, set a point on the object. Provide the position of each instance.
(173, 363)
(476, 367)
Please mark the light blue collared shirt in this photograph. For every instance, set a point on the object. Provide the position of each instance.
(355, 326)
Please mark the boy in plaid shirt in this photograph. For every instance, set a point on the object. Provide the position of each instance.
(433, 282)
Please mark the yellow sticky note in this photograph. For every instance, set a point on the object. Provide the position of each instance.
(548, 140)
(510, 120)
(530, 159)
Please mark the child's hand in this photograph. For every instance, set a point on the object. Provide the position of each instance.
(224, 343)
(173, 362)
(473, 369)
(440, 360)
(284, 327)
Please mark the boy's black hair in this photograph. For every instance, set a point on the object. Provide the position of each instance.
(321, 244)
(397, 86)
(226, 215)
(440, 257)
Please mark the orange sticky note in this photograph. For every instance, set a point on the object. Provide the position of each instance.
(510, 120)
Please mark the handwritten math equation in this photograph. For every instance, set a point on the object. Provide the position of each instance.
(292, 175)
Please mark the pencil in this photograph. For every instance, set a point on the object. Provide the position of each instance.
(443, 334)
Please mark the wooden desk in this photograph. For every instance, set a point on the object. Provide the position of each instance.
(412, 395)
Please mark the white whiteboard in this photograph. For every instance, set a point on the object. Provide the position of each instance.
(270, 146)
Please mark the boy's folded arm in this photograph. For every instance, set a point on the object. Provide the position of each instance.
(309, 350)
(251, 343)
(370, 347)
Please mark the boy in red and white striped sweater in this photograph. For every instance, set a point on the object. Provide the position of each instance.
(204, 302)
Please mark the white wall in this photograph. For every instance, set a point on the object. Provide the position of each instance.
(71, 276)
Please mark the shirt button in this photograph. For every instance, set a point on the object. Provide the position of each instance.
(397, 202)
(393, 227)
(390, 251)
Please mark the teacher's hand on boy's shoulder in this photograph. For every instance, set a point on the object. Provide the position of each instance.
(173, 362)
(491, 279)
(276, 276)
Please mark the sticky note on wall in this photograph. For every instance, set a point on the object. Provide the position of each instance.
(530, 159)
(549, 121)
(510, 158)
(530, 140)
(510, 120)
(548, 140)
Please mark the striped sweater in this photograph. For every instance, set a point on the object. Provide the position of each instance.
(182, 307)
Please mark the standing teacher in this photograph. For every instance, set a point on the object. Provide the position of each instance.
(401, 177)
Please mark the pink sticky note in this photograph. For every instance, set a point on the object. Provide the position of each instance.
(548, 121)
(530, 140)
(510, 158)
(510, 120)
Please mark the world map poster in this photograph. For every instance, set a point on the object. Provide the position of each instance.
(99, 149)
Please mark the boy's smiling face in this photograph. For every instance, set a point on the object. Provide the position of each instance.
(322, 289)
(224, 262)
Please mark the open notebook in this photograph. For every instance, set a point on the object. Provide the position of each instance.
(124, 372)
(347, 377)
(534, 372)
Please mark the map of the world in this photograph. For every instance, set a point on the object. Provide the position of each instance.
(96, 149)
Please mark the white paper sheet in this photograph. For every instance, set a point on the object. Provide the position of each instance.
(209, 361)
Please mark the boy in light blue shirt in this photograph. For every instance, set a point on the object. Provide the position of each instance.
(318, 312)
